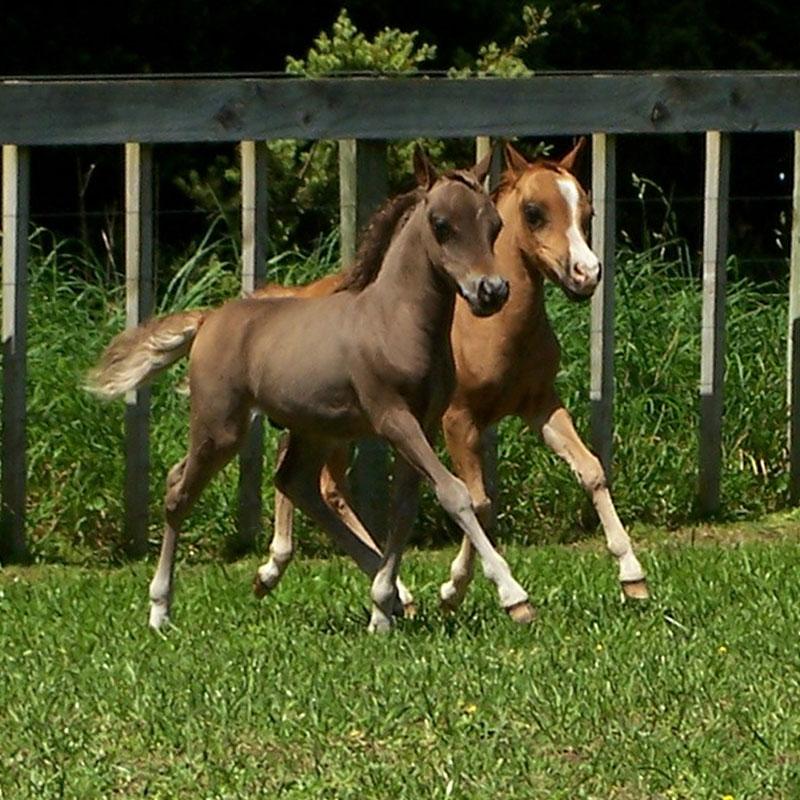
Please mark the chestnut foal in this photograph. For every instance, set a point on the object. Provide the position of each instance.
(374, 358)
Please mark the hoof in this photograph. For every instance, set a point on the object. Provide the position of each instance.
(522, 613)
(260, 589)
(450, 598)
(380, 624)
(635, 590)
(410, 610)
(159, 616)
(448, 607)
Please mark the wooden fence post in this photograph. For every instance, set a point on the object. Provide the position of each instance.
(793, 341)
(16, 216)
(139, 257)
(604, 232)
(712, 359)
(363, 186)
(483, 144)
(254, 270)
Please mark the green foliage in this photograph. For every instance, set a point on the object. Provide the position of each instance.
(303, 176)
(695, 696)
(507, 62)
(348, 50)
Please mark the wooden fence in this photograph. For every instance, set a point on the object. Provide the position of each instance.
(363, 113)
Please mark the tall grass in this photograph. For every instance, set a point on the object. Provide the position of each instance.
(75, 443)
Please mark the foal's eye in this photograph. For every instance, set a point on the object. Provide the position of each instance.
(441, 228)
(534, 215)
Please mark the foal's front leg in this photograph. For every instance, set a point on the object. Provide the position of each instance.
(558, 432)
(405, 434)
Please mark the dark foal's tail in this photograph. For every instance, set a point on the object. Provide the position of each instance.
(137, 355)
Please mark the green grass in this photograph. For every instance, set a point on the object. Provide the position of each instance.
(695, 695)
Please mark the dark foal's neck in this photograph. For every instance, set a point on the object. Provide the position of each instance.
(411, 286)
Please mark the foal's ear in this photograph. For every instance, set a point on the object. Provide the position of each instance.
(481, 169)
(572, 159)
(516, 162)
(424, 171)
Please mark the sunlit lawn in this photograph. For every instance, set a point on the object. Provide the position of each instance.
(695, 695)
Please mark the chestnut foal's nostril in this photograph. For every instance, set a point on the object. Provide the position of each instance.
(580, 273)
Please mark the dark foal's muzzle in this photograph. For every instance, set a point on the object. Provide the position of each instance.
(486, 296)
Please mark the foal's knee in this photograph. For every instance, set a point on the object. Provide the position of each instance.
(592, 475)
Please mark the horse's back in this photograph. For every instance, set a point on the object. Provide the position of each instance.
(322, 287)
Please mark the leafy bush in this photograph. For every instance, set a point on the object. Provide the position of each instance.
(303, 176)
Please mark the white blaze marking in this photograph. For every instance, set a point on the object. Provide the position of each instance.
(579, 250)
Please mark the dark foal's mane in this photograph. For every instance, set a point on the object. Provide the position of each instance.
(388, 220)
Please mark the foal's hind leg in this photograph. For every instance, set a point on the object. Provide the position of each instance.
(333, 482)
(334, 488)
(211, 447)
(385, 587)
(298, 478)
(281, 548)
(558, 432)
(466, 447)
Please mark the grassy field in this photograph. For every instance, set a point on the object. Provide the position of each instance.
(695, 695)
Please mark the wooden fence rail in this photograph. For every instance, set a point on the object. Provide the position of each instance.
(363, 113)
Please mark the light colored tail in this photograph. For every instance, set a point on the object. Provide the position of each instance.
(137, 355)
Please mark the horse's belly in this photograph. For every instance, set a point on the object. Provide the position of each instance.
(306, 405)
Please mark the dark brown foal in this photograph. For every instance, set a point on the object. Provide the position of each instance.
(373, 359)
